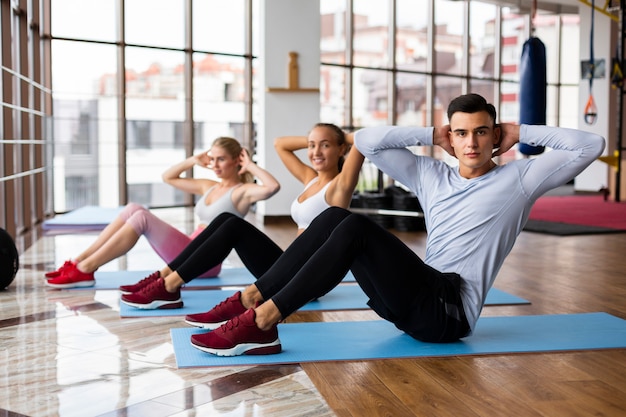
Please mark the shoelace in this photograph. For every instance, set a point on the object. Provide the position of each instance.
(149, 288)
(66, 265)
(222, 305)
(150, 277)
(230, 325)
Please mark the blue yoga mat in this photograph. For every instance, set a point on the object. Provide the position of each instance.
(240, 277)
(84, 218)
(363, 340)
(342, 297)
(228, 277)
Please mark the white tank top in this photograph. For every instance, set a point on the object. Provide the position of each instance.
(207, 212)
(304, 213)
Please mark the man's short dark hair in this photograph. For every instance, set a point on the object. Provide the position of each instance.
(471, 103)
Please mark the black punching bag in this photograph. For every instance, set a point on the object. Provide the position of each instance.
(532, 89)
(9, 259)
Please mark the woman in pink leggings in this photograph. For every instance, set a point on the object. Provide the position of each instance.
(234, 193)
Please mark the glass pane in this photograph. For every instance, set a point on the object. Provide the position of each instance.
(154, 73)
(219, 26)
(97, 19)
(333, 32)
(333, 95)
(552, 118)
(155, 23)
(486, 88)
(371, 33)
(546, 27)
(514, 30)
(256, 24)
(449, 29)
(509, 105)
(509, 113)
(256, 108)
(155, 111)
(219, 98)
(82, 78)
(411, 100)
(568, 109)
(570, 57)
(84, 125)
(370, 97)
(411, 33)
(446, 89)
(483, 42)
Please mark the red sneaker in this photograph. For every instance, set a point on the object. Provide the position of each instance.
(154, 296)
(72, 277)
(66, 266)
(129, 289)
(218, 315)
(239, 336)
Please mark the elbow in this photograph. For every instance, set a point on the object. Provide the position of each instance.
(601, 145)
(273, 190)
(359, 143)
(278, 143)
(366, 142)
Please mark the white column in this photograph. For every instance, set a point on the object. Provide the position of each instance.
(597, 175)
(286, 26)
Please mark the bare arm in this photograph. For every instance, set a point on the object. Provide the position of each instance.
(340, 192)
(172, 175)
(257, 192)
(285, 147)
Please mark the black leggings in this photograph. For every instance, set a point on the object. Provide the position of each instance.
(225, 233)
(418, 299)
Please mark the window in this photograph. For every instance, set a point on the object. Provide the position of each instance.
(158, 67)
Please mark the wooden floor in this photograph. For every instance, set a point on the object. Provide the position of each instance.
(572, 274)
(556, 274)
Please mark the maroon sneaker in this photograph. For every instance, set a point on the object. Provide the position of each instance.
(65, 267)
(218, 315)
(239, 336)
(72, 277)
(154, 296)
(129, 289)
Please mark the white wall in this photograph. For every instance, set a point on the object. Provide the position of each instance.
(596, 176)
(286, 25)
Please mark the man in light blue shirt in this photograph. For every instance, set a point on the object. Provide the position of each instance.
(474, 212)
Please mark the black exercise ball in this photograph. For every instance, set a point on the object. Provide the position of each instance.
(9, 259)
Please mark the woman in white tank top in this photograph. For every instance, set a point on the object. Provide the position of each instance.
(234, 191)
(329, 180)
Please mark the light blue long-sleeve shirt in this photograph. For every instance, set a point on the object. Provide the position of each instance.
(472, 224)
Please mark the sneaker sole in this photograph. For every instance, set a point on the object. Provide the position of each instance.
(81, 284)
(156, 305)
(208, 326)
(245, 349)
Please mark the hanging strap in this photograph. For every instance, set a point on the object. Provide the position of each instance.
(592, 62)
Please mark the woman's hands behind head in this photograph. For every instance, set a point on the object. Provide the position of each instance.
(204, 160)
